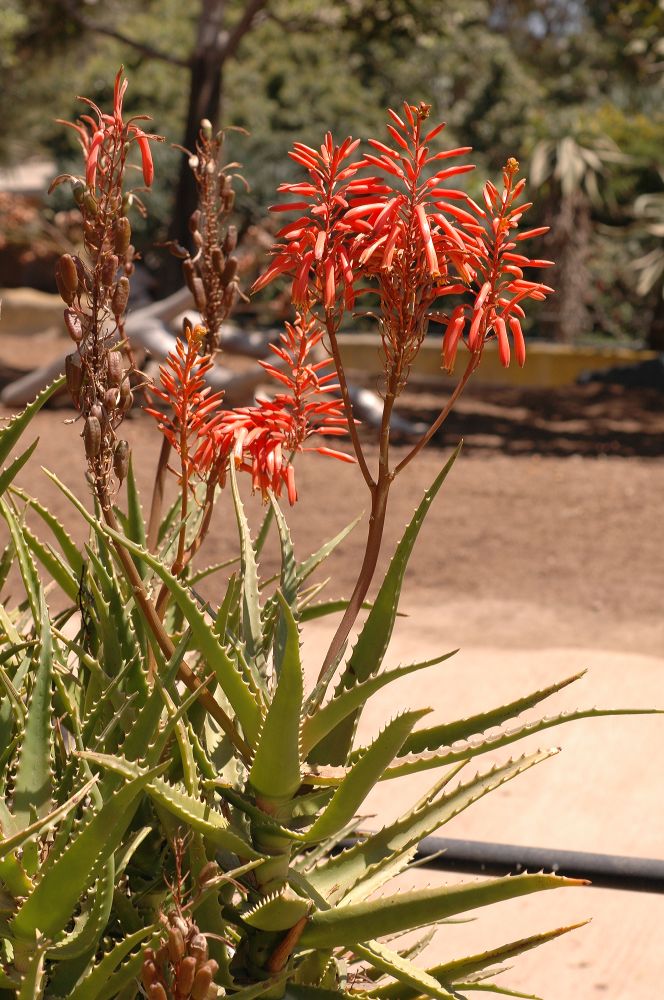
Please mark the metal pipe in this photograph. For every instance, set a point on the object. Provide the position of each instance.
(603, 871)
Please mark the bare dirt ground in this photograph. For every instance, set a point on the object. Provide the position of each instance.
(542, 555)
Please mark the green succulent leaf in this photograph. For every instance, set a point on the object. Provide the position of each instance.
(367, 865)
(252, 631)
(462, 968)
(9, 474)
(89, 925)
(317, 726)
(448, 733)
(10, 434)
(69, 548)
(362, 777)
(288, 586)
(25, 562)
(310, 565)
(47, 822)
(239, 695)
(33, 784)
(356, 923)
(91, 985)
(175, 800)
(53, 564)
(275, 771)
(66, 876)
(277, 912)
(471, 748)
(494, 988)
(34, 977)
(401, 969)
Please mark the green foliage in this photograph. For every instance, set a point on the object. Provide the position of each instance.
(106, 776)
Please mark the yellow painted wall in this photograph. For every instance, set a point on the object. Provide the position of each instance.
(546, 364)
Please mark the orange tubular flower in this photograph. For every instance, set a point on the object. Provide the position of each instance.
(312, 248)
(403, 234)
(190, 403)
(105, 141)
(260, 439)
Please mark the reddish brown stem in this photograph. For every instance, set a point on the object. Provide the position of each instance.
(348, 406)
(442, 416)
(158, 495)
(380, 494)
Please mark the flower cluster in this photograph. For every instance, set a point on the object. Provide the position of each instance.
(189, 403)
(260, 439)
(105, 142)
(402, 234)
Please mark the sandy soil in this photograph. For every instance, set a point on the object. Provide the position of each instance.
(541, 556)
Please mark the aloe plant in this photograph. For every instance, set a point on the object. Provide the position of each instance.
(173, 795)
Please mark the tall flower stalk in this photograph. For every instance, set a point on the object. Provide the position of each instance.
(400, 235)
(95, 287)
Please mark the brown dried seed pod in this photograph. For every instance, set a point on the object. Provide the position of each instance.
(198, 947)
(231, 295)
(121, 235)
(114, 367)
(228, 200)
(109, 269)
(161, 958)
(121, 461)
(195, 220)
(90, 203)
(230, 241)
(197, 238)
(74, 376)
(186, 974)
(68, 272)
(97, 412)
(120, 296)
(111, 398)
(148, 972)
(157, 992)
(92, 437)
(65, 293)
(218, 260)
(175, 944)
(189, 272)
(202, 982)
(178, 250)
(200, 297)
(84, 278)
(181, 925)
(230, 270)
(74, 325)
(126, 397)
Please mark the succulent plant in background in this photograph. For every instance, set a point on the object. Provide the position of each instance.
(174, 791)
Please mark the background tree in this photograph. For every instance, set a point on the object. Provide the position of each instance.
(508, 75)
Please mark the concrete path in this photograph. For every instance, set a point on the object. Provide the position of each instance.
(603, 793)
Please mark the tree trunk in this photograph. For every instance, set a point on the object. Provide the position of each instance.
(569, 244)
(656, 329)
